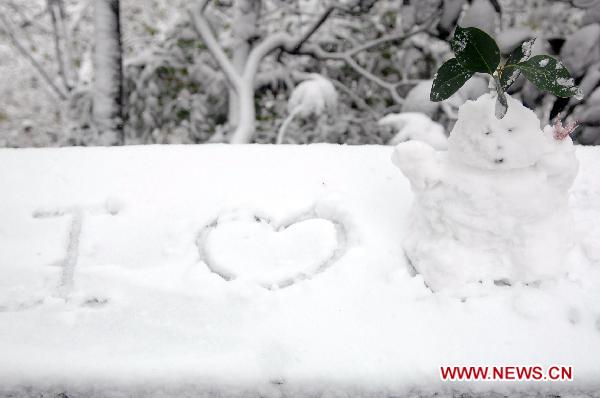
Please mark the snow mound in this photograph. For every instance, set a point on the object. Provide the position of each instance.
(494, 208)
(415, 126)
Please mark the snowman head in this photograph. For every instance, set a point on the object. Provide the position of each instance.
(481, 140)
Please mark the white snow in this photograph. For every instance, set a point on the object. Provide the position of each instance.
(417, 99)
(510, 38)
(415, 126)
(565, 82)
(494, 208)
(242, 246)
(313, 96)
(146, 316)
(482, 141)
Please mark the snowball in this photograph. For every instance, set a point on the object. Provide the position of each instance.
(415, 126)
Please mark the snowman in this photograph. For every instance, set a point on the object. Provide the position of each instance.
(494, 207)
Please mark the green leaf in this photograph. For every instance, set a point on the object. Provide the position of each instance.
(448, 79)
(511, 72)
(549, 74)
(475, 50)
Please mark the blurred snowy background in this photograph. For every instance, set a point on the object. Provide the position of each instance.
(110, 72)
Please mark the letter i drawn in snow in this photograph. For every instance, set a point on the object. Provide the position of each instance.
(67, 280)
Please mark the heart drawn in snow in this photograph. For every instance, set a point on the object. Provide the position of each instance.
(274, 255)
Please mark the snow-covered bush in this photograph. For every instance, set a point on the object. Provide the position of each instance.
(313, 97)
(174, 93)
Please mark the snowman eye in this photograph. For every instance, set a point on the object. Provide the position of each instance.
(510, 129)
(487, 131)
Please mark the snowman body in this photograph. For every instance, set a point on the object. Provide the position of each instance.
(494, 207)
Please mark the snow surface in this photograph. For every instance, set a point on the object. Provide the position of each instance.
(248, 247)
(146, 314)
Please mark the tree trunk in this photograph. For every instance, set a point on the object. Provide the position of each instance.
(108, 73)
(245, 29)
(247, 116)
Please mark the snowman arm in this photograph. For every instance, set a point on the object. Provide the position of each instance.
(559, 162)
(418, 162)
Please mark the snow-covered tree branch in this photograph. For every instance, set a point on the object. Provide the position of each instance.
(347, 56)
(241, 72)
(61, 42)
(204, 30)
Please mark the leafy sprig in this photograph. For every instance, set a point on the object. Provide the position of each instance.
(477, 52)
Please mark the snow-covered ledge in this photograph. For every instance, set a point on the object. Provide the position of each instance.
(260, 270)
